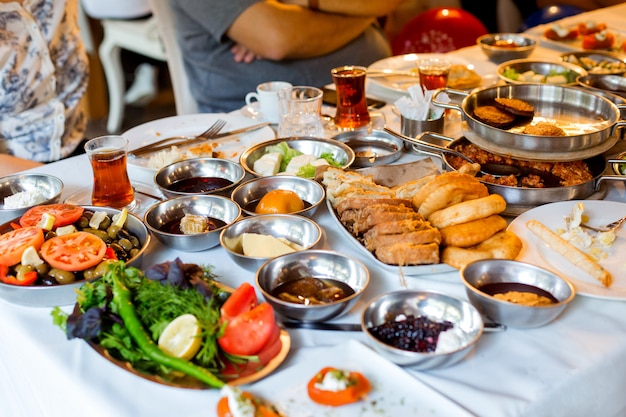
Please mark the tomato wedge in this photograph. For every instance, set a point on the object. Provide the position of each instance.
(255, 363)
(243, 299)
(357, 387)
(15, 242)
(73, 252)
(260, 409)
(64, 214)
(248, 332)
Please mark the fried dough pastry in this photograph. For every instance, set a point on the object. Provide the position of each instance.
(493, 116)
(468, 211)
(452, 193)
(502, 245)
(409, 189)
(515, 106)
(570, 252)
(472, 233)
(432, 185)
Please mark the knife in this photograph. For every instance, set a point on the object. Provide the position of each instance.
(198, 140)
(352, 327)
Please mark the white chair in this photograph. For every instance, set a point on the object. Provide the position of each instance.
(185, 103)
(145, 37)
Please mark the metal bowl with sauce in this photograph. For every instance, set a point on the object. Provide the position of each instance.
(483, 279)
(372, 148)
(500, 47)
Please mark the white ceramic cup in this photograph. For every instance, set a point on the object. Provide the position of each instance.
(266, 95)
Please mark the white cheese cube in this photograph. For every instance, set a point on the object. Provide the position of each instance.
(268, 164)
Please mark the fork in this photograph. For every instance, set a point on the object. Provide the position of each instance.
(608, 228)
(213, 130)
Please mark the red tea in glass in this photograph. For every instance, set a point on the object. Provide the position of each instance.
(352, 111)
(111, 185)
(433, 73)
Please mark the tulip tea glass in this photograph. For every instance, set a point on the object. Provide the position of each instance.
(300, 112)
(352, 112)
(111, 185)
(433, 73)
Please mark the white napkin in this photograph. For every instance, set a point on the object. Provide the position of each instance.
(418, 105)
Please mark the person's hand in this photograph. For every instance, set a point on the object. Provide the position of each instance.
(243, 54)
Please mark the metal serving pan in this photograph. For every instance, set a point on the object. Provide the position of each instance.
(588, 119)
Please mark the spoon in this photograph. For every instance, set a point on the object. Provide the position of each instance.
(495, 170)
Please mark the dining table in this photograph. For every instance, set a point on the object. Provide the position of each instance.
(574, 366)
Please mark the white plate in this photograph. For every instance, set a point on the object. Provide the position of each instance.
(553, 215)
(394, 392)
(400, 84)
(406, 270)
(191, 125)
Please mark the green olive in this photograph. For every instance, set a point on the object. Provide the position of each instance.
(88, 274)
(135, 242)
(102, 267)
(126, 244)
(105, 223)
(100, 233)
(133, 252)
(61, 276)
(112, 231)
(82, 223)
(23, 270)
(42, 268)
(123, 234)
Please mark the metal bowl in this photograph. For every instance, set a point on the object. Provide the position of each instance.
(321, 264)
(296, 229)
(250, 192)
(478, 274)
(372, 148)
(50, 186)
(613, 84)
(620, 169)
(199, 168)
(500, 47)
(340, 152)
(597, 62)
(60, 295)
(213, 206)
(543, 68)
(438, 307)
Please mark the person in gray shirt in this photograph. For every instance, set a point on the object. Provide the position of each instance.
(229, 47)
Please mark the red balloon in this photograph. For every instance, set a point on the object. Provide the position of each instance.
(440, 29)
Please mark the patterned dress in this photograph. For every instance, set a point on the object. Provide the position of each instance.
(43, 78)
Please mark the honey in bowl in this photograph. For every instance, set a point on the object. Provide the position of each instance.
(279, 202)
(519, 293)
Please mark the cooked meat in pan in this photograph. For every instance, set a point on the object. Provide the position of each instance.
(515, 106)
(493, 116)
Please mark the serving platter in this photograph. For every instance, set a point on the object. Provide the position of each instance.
(394, 391)
(553, 215)
(575, 44)
(406, 270)
(193, 124)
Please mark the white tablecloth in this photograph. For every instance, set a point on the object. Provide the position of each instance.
(572, 367)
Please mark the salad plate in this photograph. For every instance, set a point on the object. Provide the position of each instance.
(230, 147)
(394, 392)
(553, 215)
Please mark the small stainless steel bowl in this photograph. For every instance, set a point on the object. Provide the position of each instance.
(61, 295)
(213, 206)
(620, 169)
(612, 84)
(50, 186)
(340, 152)
(296, 229)
(321, 264)
(540, 67)
(467, 325)
(250, 192)
(516, 46)
(372, 148)
(199, 168)
(478, 274)
(597, 62)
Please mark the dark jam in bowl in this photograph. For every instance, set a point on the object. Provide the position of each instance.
(173, 226)
(504, 287)
(412, 333)
(199, 184)
(311, 291)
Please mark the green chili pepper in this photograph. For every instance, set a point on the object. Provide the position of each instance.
(123, 298)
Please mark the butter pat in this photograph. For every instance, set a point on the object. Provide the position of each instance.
(265, 246)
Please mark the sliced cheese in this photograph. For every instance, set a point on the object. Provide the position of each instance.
(263, 246)
(268, 164)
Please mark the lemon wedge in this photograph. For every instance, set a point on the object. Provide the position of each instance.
(181, 338)
(47, 221)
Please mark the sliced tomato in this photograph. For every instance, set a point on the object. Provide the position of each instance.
(248, 332)
(243, 299)
(257, 362)
(15, 242)
(29, 277)
(64, 214)
(74, 252)
(261, 409)
(358, 387)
